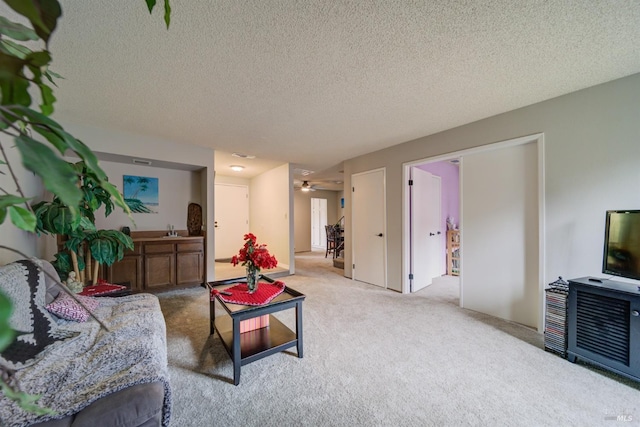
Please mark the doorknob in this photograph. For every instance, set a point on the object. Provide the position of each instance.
(379, 234)
(439, 233)
(431, 234)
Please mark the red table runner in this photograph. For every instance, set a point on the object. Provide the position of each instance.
(101, 288)
(239, 294)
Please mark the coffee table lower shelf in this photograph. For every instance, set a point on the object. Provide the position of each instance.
(259, 343)
(247, 347)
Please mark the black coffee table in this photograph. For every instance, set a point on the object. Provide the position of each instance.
(254, 345)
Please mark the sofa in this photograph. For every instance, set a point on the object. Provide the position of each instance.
(87, 374)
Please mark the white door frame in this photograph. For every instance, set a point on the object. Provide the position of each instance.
(384, 223)
(406, 219)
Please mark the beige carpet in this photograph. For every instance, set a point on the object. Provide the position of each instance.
(374, 357)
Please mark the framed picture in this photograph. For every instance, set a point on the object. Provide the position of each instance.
(141, 193)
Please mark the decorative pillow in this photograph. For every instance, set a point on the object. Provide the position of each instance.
(67, 308)
(36, 329)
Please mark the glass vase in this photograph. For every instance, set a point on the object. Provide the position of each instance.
(252, 280)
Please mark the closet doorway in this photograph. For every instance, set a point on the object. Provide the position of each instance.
(501, 229)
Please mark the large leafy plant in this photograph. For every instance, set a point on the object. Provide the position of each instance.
(41, 141)
(84, 243)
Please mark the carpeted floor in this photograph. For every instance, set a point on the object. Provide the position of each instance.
(374, 357)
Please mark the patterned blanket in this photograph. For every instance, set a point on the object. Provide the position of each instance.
(74, 373)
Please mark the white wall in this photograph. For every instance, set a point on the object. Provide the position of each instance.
(271, 210)
(11, 236)
(591, 159)
(339, 209)
(176, 190)
(302, 215)
(225, 179)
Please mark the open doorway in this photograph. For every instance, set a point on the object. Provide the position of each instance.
(434, 193)
(501, 239)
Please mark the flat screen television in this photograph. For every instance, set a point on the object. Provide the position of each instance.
(622, 244)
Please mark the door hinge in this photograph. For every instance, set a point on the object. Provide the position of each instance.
(410, 276)
(353, 266)
(410, 182)
(353, 189)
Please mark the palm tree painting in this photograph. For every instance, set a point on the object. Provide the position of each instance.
(141, 193)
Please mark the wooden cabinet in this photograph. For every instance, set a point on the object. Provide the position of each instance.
(157, 264)
(190, 263)
(128, 270)
(453, 252)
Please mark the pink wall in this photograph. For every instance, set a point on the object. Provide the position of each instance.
(450, 179)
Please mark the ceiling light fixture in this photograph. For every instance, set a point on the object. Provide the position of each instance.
(243, 156)
(305, 186)
(303, 172)
(237, 168)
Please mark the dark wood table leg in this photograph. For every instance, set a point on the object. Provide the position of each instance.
(212, 315)
(299, 327)
(237, 352)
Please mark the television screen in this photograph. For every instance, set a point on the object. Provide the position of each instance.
(622, 244)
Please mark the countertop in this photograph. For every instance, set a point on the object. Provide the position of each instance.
(166, 238)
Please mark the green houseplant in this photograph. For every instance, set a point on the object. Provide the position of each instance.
(40, 141)
(85, 247)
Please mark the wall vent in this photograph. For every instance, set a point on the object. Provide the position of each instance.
(141, 162)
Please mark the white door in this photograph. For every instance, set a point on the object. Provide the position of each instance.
(318, 222)
(500, 215)
(368, 224)
(426, 233)
(231, 218)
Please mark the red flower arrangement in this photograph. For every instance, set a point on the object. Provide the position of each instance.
(254, 257)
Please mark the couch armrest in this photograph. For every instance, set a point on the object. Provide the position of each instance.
(136, 406)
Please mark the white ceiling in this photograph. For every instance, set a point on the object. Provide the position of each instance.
(316, 82)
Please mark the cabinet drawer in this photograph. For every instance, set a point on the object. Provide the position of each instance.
(137, 250)
(158, 249)
(190, 247)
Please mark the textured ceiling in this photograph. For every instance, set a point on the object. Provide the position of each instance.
(317, 82)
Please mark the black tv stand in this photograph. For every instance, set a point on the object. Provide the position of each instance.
(604, 325)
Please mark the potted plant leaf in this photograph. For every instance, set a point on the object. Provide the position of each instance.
(24, 71)
(85, 247)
